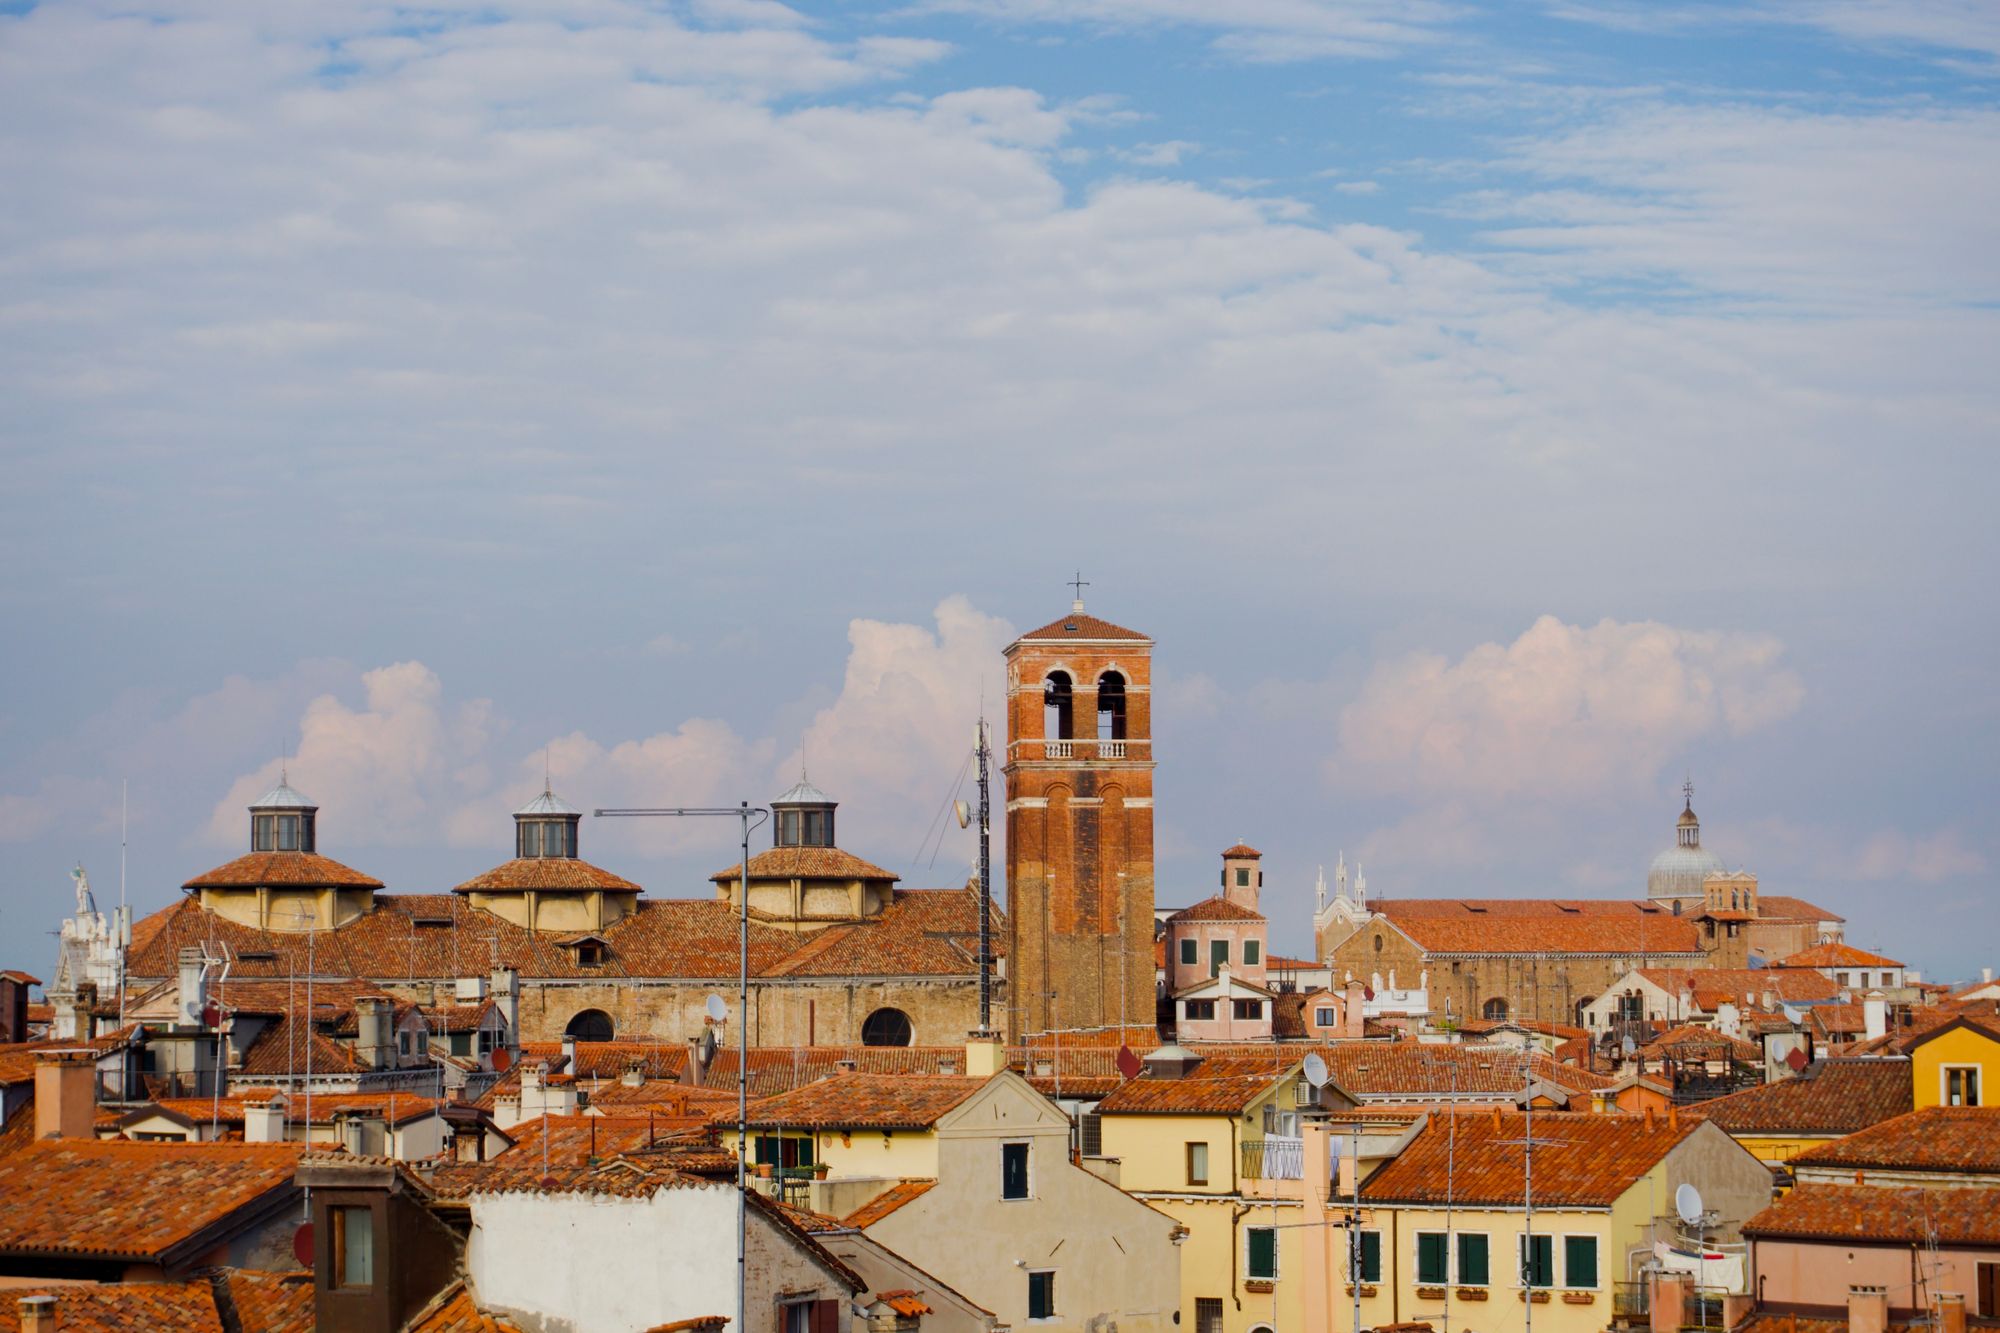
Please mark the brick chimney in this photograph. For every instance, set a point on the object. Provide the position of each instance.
(1875, 1015)
(1951, 1312)
(1354, 1020)
(264, 1121)
(77, 1023)
(65, 1095)
(692, 1071)
(37, 1314)
(1867, 1310)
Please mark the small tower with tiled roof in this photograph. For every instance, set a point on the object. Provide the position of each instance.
(1079, 781)
(283, 883)
(548, 886)
(804, 882)
(1242, 875)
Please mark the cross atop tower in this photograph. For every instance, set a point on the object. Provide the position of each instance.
(1079, 583)
(1687, 792)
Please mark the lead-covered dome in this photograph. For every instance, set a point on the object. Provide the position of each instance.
(1679, 871)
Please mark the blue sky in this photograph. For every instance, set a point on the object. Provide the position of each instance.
(1496, 412)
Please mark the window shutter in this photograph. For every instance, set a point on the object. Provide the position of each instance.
(1093, 1134)
(1263, 1253)
(826, 1317)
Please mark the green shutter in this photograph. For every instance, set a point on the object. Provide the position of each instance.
(1190, 952)
(1579, 1261)
(1473, 1269)
(1263, 1252)
(1538, 1260)
(1431, 1269)
(1218, 956)
(1371, 1256)
(1251, 952)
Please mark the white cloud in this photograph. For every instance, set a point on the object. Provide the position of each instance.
(1167, 153)
(1563, 712)
(1256, 30)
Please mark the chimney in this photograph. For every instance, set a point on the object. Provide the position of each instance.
(1951, 1312)
(507, 994)
(375, 1043)
(65, 1095)
(692, 1071)
(13, 1008)
(569, 1053)
(984, 1055)
(193, 998)
(1867, 1310)
(37, 1314)
(264, 1121)
(1875, 1015)
(78, 1024)
(1986, 975)
(470, 990)
(1354, 1014)
(635, 1072)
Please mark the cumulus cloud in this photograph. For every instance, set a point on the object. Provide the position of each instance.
(1256, 30)
(1564, 711)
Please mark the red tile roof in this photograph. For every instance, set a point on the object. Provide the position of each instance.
(1962, 1139)
(186, 1307)
(304, 869)
(546, 873)
(1835, 954)
(454, 1310)
(13, 975)
(1241, 850)
(266, 1302)
(1076, 625)
(805, 863)
(1826, 1097)
(1216, 909)
(1692, 1042)
(1488, 933)
(871, 1101)
(398, 1107)
(887, 1202)
(1226, 1094)
(1409, 1071)
(1883, 1215)
(1581, 1160)
(572, 1153)
(146, 1202)
(1736, 984)
(456, 1017)
(1779, 907)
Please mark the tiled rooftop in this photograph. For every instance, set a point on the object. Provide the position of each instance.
(1194, 1095)
(454, 1310)
(1883, 1214)
(560, 1148)
(1736, 984)
(1833, 953)
(1487, 933)
(301, 869)
(887, 1202)
(398, 1107)
(545, 873)
(1217, 908)
(806, 863)
(874, 1101)
(1938, 1138)
(186, 1307)
(1780, 907)
(1077, 625)
(140, 1201)
(1826, 1097)
(266, 1302)
(1581, 1159)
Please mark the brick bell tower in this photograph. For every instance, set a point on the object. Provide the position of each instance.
(1079, 770)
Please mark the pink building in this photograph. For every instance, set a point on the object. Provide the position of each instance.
(1216, 958)
(1812, 1247)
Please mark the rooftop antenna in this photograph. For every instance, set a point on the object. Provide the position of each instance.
(122, 929)
(986, 884)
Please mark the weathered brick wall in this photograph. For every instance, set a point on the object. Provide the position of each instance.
(788, 1013)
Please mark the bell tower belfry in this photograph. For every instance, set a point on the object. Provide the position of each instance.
(1079, 772)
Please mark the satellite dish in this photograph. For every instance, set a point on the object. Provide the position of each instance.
(707, 1047)
(302, 1244)
(1129, 1064)
(1629, 1047)
(1792, 1016)
(1315, 1070)
(963, 811)
(717, 1011)
(1687, 1202)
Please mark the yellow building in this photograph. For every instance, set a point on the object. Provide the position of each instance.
(1956, 1064)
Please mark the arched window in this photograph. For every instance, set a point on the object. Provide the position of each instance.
(1111, 707)
(590, 1025)
(1495, 1010)
(1058, 694)
(886, 1027)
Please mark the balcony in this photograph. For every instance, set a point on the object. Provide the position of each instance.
(1058, 749)
(1274, 1157)
(1073, 749)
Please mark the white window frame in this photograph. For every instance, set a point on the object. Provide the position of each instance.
(1457, 1240)
(1029, 1145)
(1521, 1260)
(1944, 1084)
(1277, 1262)
(1563, 1259)
(1359, 1280)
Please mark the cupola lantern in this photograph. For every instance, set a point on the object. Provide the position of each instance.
(802, 817)
(546, 828)
(281, 820)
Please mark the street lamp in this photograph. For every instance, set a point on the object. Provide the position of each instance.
(743, 812)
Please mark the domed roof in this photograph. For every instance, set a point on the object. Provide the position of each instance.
(804, 793)
(282, 797)
(548, 803)
(1688, 820)
(1678, 872)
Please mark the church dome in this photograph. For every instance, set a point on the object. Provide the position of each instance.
(1678, 871)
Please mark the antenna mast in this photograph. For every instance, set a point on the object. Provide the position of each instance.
(985, 886)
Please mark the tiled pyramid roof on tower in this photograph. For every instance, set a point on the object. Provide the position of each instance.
(1077, 625)
(306, 869)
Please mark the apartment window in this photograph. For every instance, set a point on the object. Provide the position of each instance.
(1538, 1261)
(1190, 952)
(487, 1041)
(1197, 1164)
(1252, 951)
(1218, 956)
(1042, 1294)
(1260, 1253)
(1248, 1010)
(1961, 1085)
(1368, 1254)
(809, 1317)
(1431, 1259)
(1208, 1314)
(1242, 878)
(1200, 1011)
(590, 954)
(1474, 1268)
(1323, 1017)
(1579, 1261)
(1090, 1128)
(1013, 1170)
(353, 1247)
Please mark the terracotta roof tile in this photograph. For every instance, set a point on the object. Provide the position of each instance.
(806, 863)
(456, 1017)
(1216, 909)
(1938, 1138)
(1692, 1042)
(454, 1310)
(887, 1202)
(1474, 934)
(1077, 625)
(120, 1307)
(1779, 907)
(872, 1101)
(108, 1198)
(1826, 1097)
(547, 873)
(258, 869)
(403, 1106)
(1878, 1213)
(701, 1323)
(1835, 954)
(1241, 849)
(267, 1302)
(1581, 1159)
(570, 1153)
(1408, 1071)
(1792, 985)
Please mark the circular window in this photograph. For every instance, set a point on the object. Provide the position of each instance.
(1378, 944)
(590, 1025)
(886, 1027)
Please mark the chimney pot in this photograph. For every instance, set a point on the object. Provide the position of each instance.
(1951, 1312)
(65, 1094)
(37, 1313)
(1867, 1310)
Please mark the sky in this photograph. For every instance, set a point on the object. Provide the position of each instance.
(1498, 414)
